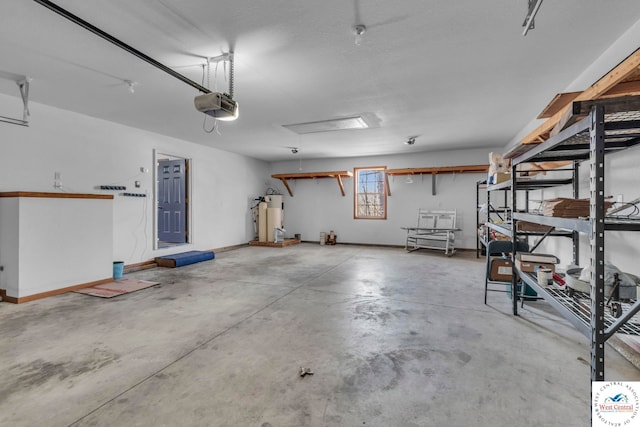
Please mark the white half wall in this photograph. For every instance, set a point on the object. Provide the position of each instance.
(88, 152)
(55, 243)
(318, 206)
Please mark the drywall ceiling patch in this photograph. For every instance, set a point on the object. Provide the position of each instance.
(345, 123)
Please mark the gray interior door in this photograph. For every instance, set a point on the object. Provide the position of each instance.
(172, 209)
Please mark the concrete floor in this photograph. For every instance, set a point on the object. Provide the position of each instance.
(394, 339)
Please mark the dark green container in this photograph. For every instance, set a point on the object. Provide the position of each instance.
(528, 291)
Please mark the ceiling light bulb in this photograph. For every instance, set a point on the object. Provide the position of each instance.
(359, 31)
(230, 118)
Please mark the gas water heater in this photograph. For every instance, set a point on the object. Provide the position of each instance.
(270, 217)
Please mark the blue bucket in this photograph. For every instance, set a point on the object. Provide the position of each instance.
(118, 269)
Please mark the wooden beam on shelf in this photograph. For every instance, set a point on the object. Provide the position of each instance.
(338, 175)
(578, 110)
(386, 183)
(558, 102)
(339, 179)
(286, 185)
(595, 91)
(626, 88)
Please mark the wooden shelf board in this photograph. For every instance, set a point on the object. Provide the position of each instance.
(433, 171)
(439, 169)
(338, 175)
(312, 175)
(558, 102)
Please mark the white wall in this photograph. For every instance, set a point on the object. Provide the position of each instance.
(89, 152)
(318, 206)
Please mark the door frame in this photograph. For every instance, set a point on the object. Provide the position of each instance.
(164, 155)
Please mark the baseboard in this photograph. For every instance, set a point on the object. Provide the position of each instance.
(145, 265)
(375, 245)
(371, 245)
(130, 268)
(379, 245)
(229, 248)
(41, 295)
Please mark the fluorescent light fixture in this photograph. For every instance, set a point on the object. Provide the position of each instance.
(346, 123)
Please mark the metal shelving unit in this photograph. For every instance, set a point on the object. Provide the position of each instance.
(493, 213)
(609, 126)
(505, 213)
(576, 308)
(480, 241)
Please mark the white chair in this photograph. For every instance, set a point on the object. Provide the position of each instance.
(434, 230)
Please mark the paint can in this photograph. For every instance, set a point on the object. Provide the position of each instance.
(323, 238)
(544, 276)
(118, 269)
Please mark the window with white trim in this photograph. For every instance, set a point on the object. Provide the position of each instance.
(370, 193)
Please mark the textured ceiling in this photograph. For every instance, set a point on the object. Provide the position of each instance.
(457, 73)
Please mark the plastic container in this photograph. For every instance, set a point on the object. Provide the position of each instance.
(544, 276)
(118, 269)
(528, 292)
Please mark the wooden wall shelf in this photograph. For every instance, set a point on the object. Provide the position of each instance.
(338, 175)
(435, 171)
(439, 169)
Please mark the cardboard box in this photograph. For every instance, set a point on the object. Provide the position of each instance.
(497, 178)
(530, 226)
(536, 257)
(500, 270)
(530, 267)
(527, 262)
(501, 177)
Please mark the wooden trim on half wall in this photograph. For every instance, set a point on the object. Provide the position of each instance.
(41, 295)
(55, 195)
